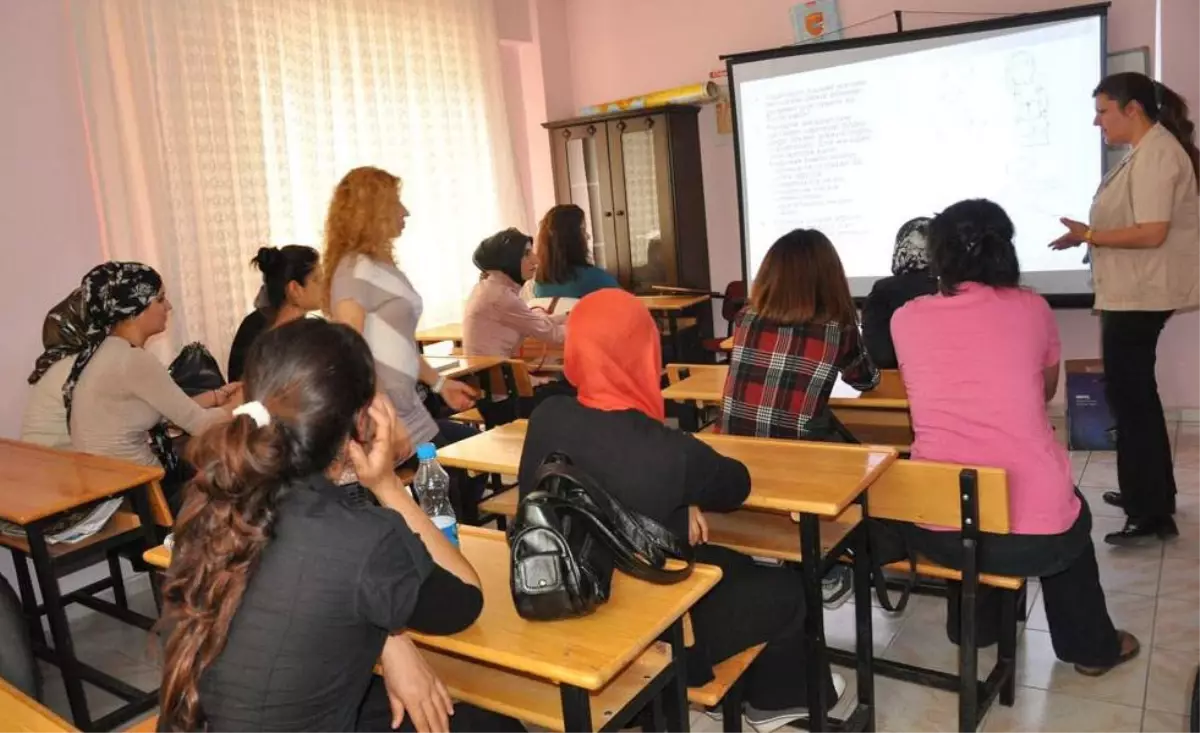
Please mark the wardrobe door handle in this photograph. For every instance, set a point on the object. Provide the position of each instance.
(608, 214)
(620, 213)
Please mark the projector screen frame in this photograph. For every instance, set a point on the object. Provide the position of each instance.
(1083, 301)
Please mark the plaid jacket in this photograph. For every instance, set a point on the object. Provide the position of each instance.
(780, 376)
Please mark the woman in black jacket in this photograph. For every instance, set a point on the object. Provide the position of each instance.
(910, 279)
(613, 431)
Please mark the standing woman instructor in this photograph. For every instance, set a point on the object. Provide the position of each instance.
(1144, 237)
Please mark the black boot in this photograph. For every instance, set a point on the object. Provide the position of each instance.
(1138, 531)
(1113, 498)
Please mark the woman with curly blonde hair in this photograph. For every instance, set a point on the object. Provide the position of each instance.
(369, 293)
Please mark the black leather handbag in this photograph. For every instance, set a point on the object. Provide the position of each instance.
(568, 535)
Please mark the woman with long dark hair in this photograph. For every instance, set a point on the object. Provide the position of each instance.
(565, 268)
(1141, 234)
(281, 594)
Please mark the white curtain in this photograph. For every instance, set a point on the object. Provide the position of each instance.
(220, 126)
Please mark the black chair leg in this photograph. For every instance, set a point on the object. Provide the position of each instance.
(1007, 642)
(1023, 603)
(731, 709)
(118, 580)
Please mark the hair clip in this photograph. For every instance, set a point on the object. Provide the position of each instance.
(256, 412)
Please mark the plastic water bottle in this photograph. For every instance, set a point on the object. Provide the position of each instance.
(433, 487)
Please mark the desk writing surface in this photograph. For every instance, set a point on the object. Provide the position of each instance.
(461, 366)
(708, 384)
(785, 475)
(37, 482)
(437, 334)
(586, 652)
(664, 303)
(21, 714)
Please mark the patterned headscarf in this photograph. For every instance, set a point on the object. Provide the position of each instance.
(113, 292)
(63, 333)
(912, 242)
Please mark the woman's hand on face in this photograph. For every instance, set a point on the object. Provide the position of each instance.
(374, 460)
(414, 688)
(1076, 234)
(697, 527)
(459, 395)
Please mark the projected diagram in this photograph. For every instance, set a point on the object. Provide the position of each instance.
(1031, 101)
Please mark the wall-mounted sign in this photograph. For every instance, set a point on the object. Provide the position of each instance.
(816, 20)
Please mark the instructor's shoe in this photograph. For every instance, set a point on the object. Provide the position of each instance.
(1113, 498)
(1138, 531)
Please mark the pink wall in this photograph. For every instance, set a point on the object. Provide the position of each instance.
(617, 48)
(50, 231)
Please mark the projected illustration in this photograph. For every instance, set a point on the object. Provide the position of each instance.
(1031, 102)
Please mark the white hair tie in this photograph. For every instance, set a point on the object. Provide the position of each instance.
(257, 413)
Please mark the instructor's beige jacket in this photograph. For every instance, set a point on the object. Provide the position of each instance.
(1154, 183)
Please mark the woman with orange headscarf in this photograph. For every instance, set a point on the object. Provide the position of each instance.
(614, 432)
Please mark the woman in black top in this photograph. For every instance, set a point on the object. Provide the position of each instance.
(291, 288)
(910, 279)
(281, 596)
(613, 431)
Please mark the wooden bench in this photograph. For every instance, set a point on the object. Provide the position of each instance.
(148, 725)
(23, 714)
(521, 382)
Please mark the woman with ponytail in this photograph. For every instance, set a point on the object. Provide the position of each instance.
(291, 288)
(281, 595)
(1142, 235)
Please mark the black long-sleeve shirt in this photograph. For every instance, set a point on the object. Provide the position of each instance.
(334, 581)
(651, 468)
(886, 297)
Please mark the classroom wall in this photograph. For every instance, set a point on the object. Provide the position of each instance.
(48, 227)
(617, 48)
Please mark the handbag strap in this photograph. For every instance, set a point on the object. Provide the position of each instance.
(636, 540)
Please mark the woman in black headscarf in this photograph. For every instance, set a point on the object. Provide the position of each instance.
(496, 321)
(910, 279)
(118, 396)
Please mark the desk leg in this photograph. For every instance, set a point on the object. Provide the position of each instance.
(577, 709)
(863, 621)
(60, 630)
(676, 337)
(675, 702)
(816, 657)
(33, 619)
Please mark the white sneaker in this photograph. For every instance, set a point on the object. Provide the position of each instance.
(769, 721)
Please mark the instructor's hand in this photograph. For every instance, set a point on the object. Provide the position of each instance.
(1076, 235)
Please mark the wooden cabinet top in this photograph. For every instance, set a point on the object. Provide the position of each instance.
(670, 109)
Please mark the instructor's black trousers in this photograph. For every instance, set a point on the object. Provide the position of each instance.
(1129, 345)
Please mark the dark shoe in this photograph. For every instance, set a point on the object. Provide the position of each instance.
(1139, 531)
(1113, 498)
(1129, 649)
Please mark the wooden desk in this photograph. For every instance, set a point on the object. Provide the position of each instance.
(706, 383)
(39, 485)
(22, 714)
(457, 367)
(437, 334)
(816, 480)
(581, 655)
(673, 307)
(785, 475)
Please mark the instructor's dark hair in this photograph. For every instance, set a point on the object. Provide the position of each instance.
(972, 241)
(293, 263)
(1160, 103)
(312, 377)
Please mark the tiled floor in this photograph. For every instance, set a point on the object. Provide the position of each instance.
(1152, 591)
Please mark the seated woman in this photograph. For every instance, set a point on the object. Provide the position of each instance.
(292, 286)
(613, 356)
(118, 396)
(368, 292)
(980, 360)
(565, 268)
(281, 596)
(798, 332)
(910, 279)
(63, 335)
(496, 321)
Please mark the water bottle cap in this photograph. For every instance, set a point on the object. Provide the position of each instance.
(426, 451)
